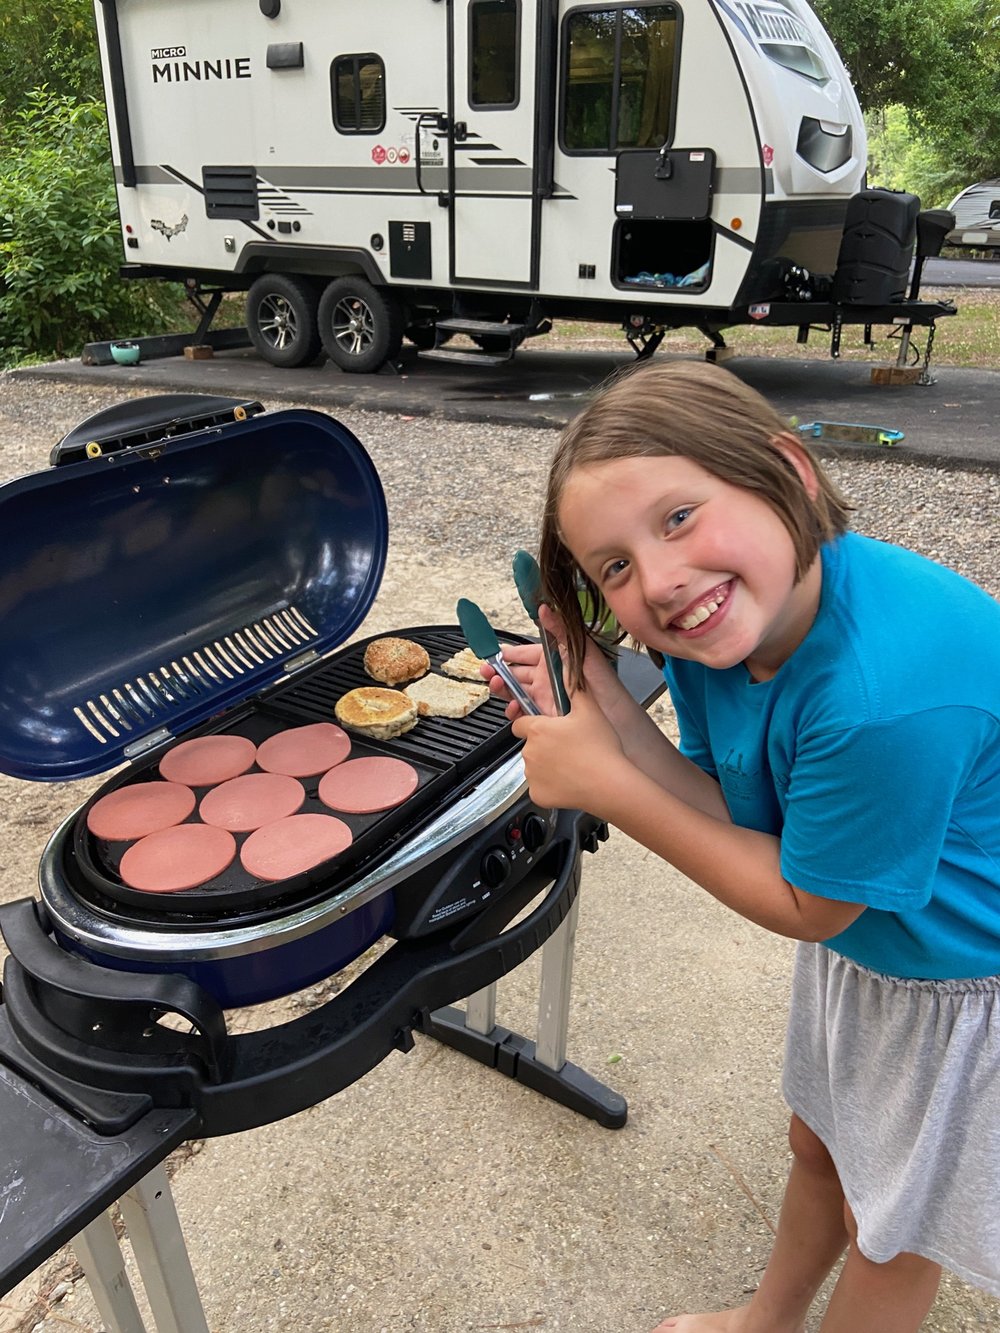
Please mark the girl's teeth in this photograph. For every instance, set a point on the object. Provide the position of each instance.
(699, 616)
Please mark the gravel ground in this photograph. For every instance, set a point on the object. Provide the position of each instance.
(462, 498)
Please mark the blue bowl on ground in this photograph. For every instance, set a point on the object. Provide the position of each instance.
(125, 354)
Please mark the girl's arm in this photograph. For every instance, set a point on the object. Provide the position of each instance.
(582, 762)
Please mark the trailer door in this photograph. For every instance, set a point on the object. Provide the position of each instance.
(492, 182)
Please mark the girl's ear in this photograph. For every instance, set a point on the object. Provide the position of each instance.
(790, 448)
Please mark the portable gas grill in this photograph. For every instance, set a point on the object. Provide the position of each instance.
(189, 567)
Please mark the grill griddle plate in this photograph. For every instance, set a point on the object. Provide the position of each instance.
(445, 753)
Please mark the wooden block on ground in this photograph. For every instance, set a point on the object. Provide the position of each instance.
(896, 374)
(198, 352)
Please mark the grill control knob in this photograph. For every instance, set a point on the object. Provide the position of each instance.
(495, 867)
(535, 831)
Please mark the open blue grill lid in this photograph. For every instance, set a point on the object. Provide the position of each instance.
(149, 588)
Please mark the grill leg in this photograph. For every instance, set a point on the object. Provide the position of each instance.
(160, 1252)
(162, 1257)
(554, 991)
(542, 1065)
(100, 1257)
(481, 1010)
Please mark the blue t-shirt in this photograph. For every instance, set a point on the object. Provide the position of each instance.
(874, 754)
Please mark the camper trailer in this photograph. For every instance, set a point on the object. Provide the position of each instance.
(977, 216)
(369, 172)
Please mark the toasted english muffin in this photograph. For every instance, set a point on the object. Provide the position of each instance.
(463, 665)
(394, 660)
(435, 696)
(376, 712)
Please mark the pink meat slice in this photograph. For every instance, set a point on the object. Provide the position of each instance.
(365, 786)
(139, 809)
(207, 760)
(177, 858)
(302, 752)
(291, 846)
(252, 800)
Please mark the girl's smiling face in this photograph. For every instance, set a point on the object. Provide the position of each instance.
(691, 565)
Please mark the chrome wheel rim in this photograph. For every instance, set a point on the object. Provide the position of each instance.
(277, 323)
(353, 326)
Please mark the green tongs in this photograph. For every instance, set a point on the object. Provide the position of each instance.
(528, 579)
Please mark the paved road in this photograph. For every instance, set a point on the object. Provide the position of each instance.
(961, 273)
(951, 422)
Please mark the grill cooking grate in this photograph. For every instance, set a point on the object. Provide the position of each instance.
(443, 740)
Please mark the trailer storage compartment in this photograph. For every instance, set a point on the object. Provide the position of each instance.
(656, 254)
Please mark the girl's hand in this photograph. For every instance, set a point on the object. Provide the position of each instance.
(574, 762)
(529, 664)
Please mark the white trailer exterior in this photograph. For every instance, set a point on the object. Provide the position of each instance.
(369, 169)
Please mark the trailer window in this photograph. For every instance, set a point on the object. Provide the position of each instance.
(357, 87)
(618, 79)
(494, 29)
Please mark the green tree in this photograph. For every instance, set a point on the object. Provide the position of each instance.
(939, 62)
(60, 243)
(50, 45)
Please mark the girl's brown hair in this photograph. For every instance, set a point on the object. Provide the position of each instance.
(693, 410)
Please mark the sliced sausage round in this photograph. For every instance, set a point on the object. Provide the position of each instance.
(302, 752)
(249, 801)
(138, 809)
(365, 786)
(206, 760)
(291, 846)
(177, 858)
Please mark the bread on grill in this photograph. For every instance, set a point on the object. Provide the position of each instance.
(376, 712)
(394, 660)
(463, 665)
(436, 696)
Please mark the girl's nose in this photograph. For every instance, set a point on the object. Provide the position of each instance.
(662, 580)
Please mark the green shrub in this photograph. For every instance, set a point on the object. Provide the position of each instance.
(60, 242)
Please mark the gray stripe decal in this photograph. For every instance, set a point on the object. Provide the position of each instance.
(728, 180)
(742, 180)
(148, 176)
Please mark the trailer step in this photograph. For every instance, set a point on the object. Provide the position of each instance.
(479, 328)
(469, 357)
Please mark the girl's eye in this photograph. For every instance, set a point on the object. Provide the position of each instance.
(678, 517)
(613, 569)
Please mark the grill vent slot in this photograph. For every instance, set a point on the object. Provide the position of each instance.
(136, 704)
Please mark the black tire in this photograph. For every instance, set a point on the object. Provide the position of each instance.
(282, 320)
(361, 328)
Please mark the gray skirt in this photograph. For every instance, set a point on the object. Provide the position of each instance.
(901, 1081)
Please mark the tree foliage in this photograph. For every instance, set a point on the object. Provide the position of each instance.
(60, 243)
(54, 45)
(937, 62)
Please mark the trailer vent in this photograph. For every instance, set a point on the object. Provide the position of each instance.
(231, 192)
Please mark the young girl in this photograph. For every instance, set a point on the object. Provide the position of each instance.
(837, 782)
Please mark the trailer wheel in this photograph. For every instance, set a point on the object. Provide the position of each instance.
(281, 320)
(361, 328)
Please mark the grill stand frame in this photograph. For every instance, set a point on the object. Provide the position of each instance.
(148, 1209)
